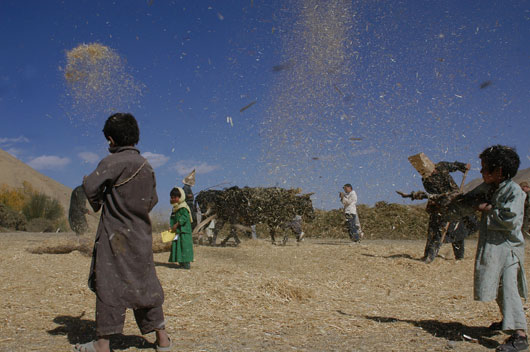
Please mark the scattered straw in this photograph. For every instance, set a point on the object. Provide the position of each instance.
(97, 78)
(321, 295)
(285, 291)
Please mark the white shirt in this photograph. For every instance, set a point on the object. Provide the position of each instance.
(349, 200)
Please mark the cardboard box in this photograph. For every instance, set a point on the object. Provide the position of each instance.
(422, 164)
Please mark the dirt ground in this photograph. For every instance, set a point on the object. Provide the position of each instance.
(321, 295)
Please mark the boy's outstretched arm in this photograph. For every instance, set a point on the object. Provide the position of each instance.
(453, 166)
(466, 204)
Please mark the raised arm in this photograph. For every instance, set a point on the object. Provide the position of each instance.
(452, 166)
(350, 198)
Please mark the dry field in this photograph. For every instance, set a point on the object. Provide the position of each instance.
(321, 295)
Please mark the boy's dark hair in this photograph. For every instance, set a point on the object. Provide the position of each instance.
(175, 193)
(501, 156)
(348, 185)
(123, 129)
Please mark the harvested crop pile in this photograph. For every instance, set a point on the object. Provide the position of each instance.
(253, 205)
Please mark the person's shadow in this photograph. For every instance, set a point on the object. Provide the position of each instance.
(450, 331)
(393, 256)
(79, 330)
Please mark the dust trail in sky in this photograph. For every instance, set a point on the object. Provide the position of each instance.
(307, 126)
(347, 100)
(98, 82)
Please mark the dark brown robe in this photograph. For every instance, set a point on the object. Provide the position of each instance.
(123, 273)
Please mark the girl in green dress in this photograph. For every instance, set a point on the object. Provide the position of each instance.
(180, 224)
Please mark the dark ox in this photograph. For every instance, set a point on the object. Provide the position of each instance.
(248, 206)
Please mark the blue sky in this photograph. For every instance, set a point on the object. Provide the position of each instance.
(405, 77)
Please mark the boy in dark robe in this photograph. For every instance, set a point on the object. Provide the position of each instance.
(122, 272)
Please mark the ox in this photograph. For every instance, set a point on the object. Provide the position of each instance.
(276, 207)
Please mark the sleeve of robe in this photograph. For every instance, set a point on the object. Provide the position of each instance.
(183, 218)
(97, 183)
(508, 216)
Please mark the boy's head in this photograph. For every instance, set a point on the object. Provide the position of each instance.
(347, 188)
(174, 195)
(525, 186)
(499, 163)
(121, 129)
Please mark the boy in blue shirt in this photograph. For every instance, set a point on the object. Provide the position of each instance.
(499, 261)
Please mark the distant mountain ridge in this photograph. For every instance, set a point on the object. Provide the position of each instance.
(522, 175)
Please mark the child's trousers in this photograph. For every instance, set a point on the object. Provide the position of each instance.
(508, 298)
(110, 320)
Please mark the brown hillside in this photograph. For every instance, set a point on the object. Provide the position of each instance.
(14, 172)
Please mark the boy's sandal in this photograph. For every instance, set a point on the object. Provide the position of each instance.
(514, 343)
(85, 347)
(164, 349)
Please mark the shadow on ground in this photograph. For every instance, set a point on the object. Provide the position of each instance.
(168, 265)
(405, 256)
(450, 331)
(393, 256)
(79, 330)
(336, 243)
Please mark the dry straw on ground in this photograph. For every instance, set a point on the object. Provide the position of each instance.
(321, 295)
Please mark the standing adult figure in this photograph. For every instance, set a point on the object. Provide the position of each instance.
(441, 188)
(189, 181)
(439, 181)
(349, 201)
(122, 273)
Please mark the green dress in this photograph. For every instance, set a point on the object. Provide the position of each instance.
(182, 248)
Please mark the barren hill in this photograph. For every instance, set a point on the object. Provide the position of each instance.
(14, 172)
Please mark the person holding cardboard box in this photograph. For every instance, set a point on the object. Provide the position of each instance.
(441, 188)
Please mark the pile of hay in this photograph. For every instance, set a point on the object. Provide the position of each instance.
(254, 205)
(382, 221)
(64, 245)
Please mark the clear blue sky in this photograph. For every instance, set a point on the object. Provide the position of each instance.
(409, 80)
